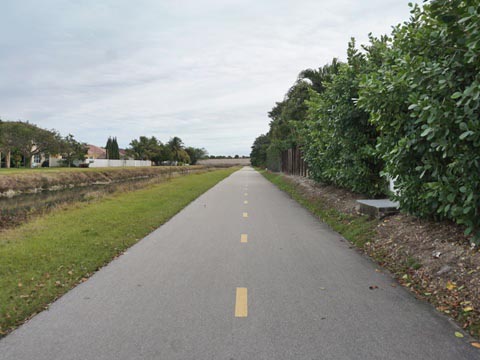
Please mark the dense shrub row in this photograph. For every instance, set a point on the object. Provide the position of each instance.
(425, 100)
(407, 107)
(340, 141)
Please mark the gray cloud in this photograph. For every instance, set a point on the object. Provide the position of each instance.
(207, 71)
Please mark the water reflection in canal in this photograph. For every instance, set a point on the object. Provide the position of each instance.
(17, 209)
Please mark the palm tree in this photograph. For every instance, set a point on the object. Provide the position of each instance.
(317, 78)
(177, 149)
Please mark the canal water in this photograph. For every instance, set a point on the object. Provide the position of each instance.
(18, 209)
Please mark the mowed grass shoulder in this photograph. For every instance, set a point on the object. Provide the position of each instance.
(43, 259)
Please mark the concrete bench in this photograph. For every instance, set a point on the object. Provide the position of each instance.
(378, 208)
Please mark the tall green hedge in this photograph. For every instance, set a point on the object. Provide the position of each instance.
(273, 157)
(406, 107)
(258, 156)
(424, 101)
(340, 141)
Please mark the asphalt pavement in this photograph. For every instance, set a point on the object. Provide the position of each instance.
(243, 272)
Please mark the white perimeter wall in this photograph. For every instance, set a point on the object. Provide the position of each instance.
(118, 163)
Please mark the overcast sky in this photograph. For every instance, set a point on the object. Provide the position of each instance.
(206, 71)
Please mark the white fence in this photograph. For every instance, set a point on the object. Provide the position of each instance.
(118, 163)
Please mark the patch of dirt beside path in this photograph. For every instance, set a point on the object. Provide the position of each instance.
(436, 261)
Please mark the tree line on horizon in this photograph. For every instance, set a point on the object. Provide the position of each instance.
(174, 151)
(20, 141)
(405, 106)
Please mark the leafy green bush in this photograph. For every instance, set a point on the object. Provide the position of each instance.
(274, 160)
(424, 100)
(417, 118)
(258, 155)
(340, 145)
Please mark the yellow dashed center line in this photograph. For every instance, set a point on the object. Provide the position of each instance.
(241, 302)
(241, 298)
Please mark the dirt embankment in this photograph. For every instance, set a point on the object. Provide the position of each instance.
(40, 180)
(436, 261)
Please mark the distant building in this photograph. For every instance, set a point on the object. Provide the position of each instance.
(96, 152)
(47, 160)
(123, 155)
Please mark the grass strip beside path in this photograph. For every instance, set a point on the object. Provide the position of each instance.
(46, 257)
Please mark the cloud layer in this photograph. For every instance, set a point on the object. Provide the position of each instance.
(206, 71)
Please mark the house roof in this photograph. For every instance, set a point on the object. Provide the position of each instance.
(96, 152)
(100, 153)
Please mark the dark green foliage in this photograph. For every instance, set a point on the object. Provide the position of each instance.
(72, 150)
(23, 139)
(196, 154)
(174, 151)
(273, 157)
(407, 107)
(108, 147)
(177, 151)
(141, 149)
(115, 149)
(148, 149)
(288, 116)
(318, 78)
(258, 156)
(111, 148)
(7, 135)
(425, 101)
(340, 141)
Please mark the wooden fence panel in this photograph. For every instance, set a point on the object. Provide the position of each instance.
(293, 162)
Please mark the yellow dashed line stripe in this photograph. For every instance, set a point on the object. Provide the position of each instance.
(241, 303)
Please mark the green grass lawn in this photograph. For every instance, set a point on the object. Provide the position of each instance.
(43, 259)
